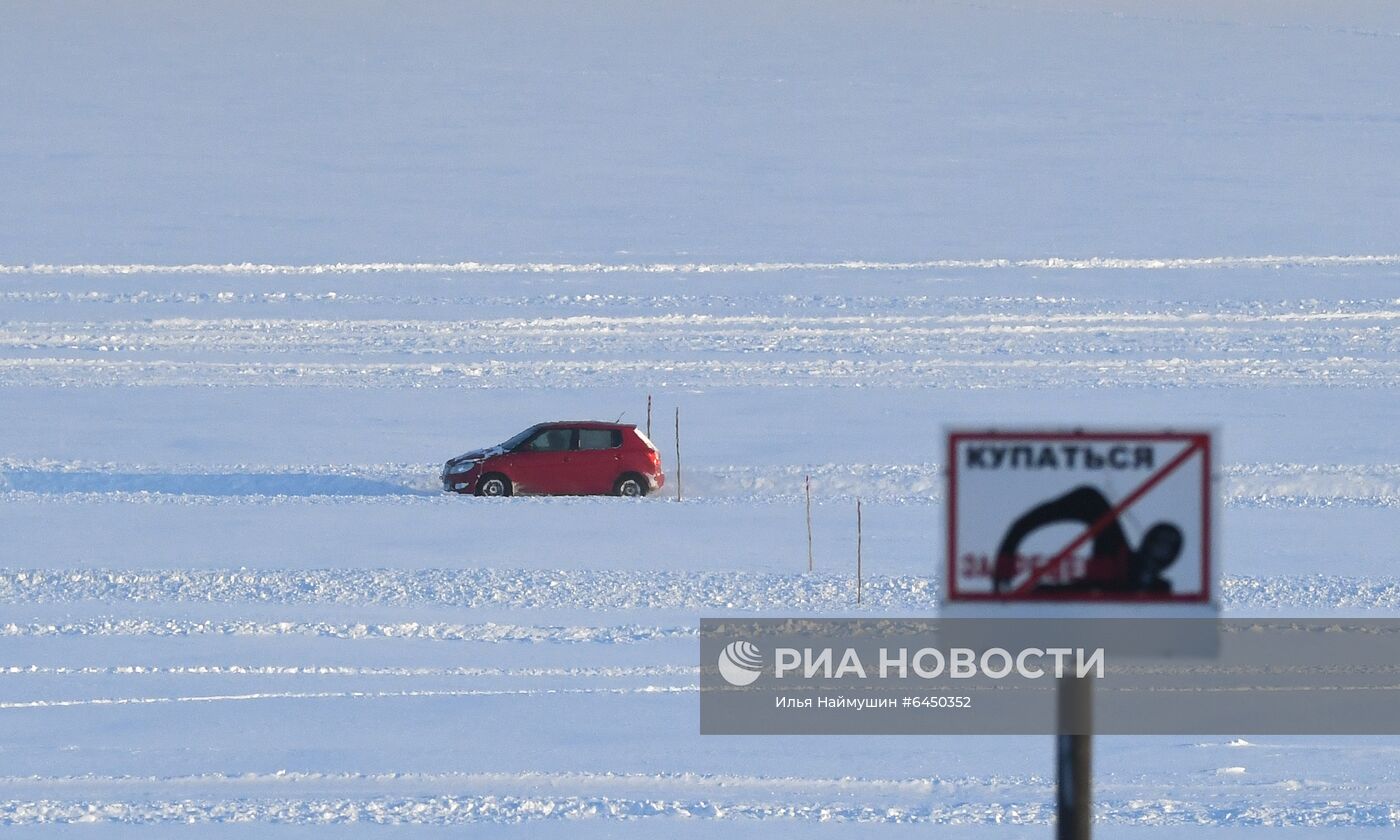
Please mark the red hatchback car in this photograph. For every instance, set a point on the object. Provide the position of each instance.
(564, 458)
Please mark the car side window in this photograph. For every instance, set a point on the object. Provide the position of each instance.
(599, 438)
(551, 440)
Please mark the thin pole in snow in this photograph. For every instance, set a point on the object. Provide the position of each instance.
(678, 453)
(858, 546)
(809, 523)
(648, 416)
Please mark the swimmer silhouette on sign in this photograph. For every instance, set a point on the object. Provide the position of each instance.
(1113, 566)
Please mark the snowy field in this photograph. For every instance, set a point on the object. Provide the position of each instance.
(260, 274)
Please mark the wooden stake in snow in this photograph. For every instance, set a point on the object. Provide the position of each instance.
(858, 541)
(648, 416)
(678, 453)
(809, 523)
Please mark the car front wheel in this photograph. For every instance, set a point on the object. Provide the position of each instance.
(494, 484)
(631, 486)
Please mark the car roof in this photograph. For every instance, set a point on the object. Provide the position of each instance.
(587, 424)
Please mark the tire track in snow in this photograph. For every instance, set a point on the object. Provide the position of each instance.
(685, 781)
(545, 589)
(1004, 310)
(683, 337)
(1149, 810)
(471, 589)
(932, 373)
(413, 630)
(319, 671)
(475, 267)
(1270, 485)
(834, 313)
(260, 332)
(11, 705)
(1266, 500)
(344, 671)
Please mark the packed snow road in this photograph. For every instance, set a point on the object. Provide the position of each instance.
(902, 329)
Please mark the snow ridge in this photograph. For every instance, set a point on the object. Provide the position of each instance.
(438, 631)
(975, 374)
(552, 589)
(1258, 485)
(509, 809)
(688, 781)
(344, 671)
(338, 695)
(475, 267)
(685, 337)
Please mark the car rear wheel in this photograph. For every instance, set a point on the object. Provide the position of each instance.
(631, 485)
(493, 484)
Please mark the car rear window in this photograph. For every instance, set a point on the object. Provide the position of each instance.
(599, 438)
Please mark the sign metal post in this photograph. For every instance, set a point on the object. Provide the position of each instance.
(1073, 759)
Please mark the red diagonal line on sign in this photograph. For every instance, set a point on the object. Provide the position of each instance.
(1103, 522)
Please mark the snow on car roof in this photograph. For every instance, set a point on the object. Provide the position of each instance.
(596, 423)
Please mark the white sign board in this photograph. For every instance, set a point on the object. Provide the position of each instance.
(1079, 516)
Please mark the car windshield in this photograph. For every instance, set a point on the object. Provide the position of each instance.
(516, 440)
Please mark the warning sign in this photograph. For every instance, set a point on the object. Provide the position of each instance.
(1079, 516)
